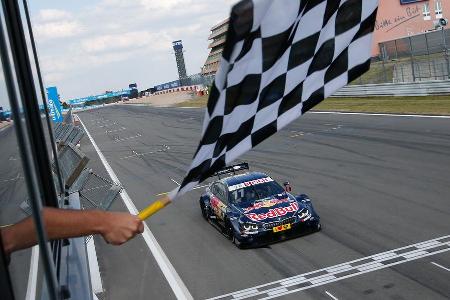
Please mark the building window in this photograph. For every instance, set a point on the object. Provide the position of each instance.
(438, 9)
(426, 11)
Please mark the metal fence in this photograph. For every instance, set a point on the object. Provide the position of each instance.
(199, 79)
(421, 57)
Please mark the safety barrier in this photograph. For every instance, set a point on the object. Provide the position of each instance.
(192, 88)
(424, 88)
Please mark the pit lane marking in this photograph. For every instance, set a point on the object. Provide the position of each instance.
(342, 271)
(440, 266)
(176, 283)
(115, 130)
(194, 188)
(12, 179)
(107, 125)
(331, 295)
(117, 140)
(165, 148)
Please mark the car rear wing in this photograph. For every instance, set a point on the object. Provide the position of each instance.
(232, 169)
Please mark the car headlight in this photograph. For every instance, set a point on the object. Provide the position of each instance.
(304, 215)
(249, 227)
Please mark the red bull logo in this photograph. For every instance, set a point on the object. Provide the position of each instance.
(273, 213)
(264, 204)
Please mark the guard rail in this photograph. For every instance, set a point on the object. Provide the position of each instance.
(425, 88)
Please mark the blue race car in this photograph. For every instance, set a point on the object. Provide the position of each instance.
(252, 209)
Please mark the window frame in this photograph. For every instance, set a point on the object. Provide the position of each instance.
(438, 9)
(426, 12)
(30, 134)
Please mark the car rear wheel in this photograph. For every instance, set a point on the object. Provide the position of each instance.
(204, 211)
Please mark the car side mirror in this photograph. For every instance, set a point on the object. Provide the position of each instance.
(287, 186)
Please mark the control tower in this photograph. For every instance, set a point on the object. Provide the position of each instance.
(178, 48)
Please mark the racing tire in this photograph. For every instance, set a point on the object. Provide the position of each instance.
(318, 227)
(237, 243)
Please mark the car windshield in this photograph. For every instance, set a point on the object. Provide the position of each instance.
(252, 193)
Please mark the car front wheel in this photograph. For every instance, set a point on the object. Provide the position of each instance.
(237, 242)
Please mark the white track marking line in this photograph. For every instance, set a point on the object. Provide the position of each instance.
(377, 114)
(32, 277)
(6, 126)
(174, 181)
(440, 266)
(331, 295)
(179, 288)
(94, 270)
(339, 272)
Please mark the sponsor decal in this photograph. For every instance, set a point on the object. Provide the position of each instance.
(218, 207)
(273, 213)
(249, 183)
(265, 204)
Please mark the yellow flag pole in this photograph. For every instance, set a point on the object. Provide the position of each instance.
(154, 208)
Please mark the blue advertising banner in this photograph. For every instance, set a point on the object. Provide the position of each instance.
(54, 105)
(79, 101)
(168, 85)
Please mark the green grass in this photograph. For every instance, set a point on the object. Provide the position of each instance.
(196, 102)
(435, 105)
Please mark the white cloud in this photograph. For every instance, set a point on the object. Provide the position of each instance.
(58, 29)
(46, 15)
(155, 5)
(110, 36)
(128, 40)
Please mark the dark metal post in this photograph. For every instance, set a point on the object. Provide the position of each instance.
(25, 83)
(446, 52)
(44, 98)
(428, 57)
(412, 59)
(28, 165)
(383, 60)
(396, 50)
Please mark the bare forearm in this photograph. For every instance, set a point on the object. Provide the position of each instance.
(66, 223)
(59, 224)
(115, 227)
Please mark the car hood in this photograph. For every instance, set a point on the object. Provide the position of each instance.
(270, 209)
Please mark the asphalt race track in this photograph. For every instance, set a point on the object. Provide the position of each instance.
(379, 183)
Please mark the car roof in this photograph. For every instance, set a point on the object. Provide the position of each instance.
(236, 179)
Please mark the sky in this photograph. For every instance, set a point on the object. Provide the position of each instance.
(88, 47)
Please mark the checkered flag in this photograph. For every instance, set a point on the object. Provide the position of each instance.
(281, 58)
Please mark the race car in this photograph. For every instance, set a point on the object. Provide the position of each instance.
(252, 209)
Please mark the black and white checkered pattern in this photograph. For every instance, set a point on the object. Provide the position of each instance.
(342, 271)
(281, 58)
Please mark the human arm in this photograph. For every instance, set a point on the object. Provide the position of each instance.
(115, 227)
